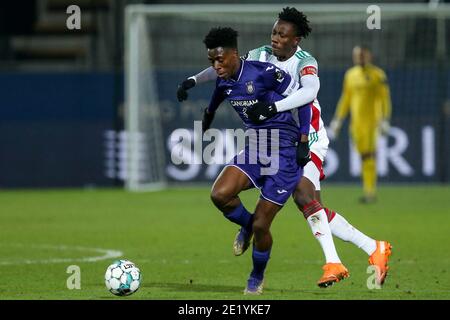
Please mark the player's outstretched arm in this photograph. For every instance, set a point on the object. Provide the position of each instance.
(206, 75)
(306, 94)
(310, 86)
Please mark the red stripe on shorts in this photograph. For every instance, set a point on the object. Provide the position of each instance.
(316, 160)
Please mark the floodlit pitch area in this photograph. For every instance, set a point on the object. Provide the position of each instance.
(183, 245)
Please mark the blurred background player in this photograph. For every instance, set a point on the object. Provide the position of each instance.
(365, 95)
(243, 83)
(285, 52)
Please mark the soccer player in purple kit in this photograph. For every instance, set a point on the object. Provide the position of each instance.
(285, 52)
(244, 83)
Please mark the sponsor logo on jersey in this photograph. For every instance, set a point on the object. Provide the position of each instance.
(243, 103)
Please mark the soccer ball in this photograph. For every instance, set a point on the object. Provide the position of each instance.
(123, 278)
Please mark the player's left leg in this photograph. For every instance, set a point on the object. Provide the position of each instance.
(265, 212)
(277, 187)
(377, 250)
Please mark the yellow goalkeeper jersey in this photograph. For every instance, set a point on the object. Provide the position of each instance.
(365, 95)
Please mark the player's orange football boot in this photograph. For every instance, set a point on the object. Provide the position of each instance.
(379, 259)
(333, 272)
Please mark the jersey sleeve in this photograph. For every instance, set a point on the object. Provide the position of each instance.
(307, 64)
(216, 99)
(304, 117)
(259, 54)
(206, 75)
(279, 81)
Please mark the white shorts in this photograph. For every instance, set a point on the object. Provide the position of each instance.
(313, 170)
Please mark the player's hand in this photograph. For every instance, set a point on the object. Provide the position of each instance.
(261, 111)
(385, 127)
(183, 88)
(303, 153)
(207, 119)
(334, 129)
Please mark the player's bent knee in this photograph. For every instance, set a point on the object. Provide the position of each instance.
(220, 197)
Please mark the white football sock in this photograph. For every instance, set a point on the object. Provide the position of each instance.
(346, 232)
(321, 231)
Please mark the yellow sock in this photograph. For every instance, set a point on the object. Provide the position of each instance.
(369, 176)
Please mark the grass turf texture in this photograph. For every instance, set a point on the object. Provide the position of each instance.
(183, 245)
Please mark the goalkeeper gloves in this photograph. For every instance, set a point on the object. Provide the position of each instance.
(303, 153)
(261, 111)
(183, 88)
(207, 119)
(384, 127)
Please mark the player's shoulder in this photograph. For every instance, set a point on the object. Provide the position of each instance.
(261, 66)
(266, 71)
(305, 59)
(255, 54)
(266, 48)
(379, 71)
(303, 54)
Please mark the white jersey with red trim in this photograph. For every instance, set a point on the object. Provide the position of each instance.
(300, 63)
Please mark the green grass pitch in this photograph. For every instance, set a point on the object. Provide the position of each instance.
(183, 245)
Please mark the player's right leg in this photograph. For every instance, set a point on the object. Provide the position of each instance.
(378, 251)
(224, 194)
(304, 197)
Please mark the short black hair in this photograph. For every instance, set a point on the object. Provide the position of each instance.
(298, 19)
(221, 37)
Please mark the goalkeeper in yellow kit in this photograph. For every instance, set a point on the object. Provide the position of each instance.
(366, 97)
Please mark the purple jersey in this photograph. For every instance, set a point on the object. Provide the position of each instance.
(262, 81)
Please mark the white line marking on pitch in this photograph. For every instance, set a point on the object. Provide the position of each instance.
(105, 254)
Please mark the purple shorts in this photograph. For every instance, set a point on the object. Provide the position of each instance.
(276, 175)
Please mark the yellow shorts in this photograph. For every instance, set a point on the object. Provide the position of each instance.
(364, 138)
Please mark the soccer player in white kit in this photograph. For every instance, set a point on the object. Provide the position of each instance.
(285, 52)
